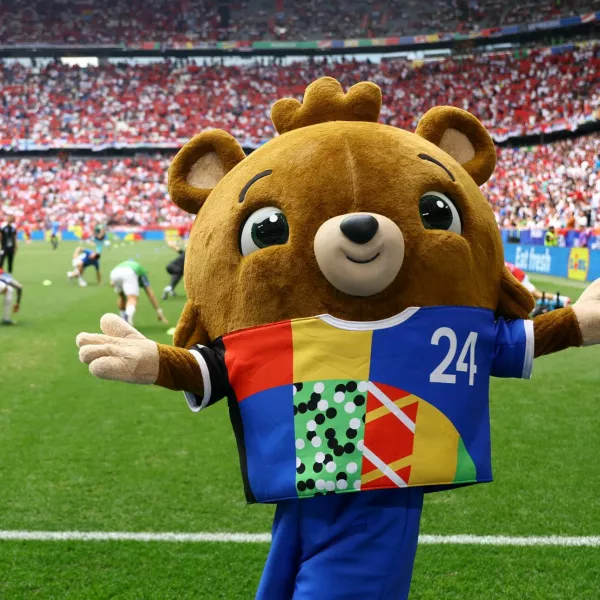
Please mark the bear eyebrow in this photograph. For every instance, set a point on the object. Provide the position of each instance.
(438, 163)
(251, 182)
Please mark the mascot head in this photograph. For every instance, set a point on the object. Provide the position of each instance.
(341, 215)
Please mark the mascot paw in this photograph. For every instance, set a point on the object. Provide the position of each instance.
(587, 311)
(121, 354)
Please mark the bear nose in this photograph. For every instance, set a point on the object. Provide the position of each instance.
(359, 229)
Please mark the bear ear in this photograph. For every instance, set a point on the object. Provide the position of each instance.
(515, 301)
(200, 165)
(463, 137)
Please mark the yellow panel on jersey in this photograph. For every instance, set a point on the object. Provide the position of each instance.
(323, 352)
(435, 448)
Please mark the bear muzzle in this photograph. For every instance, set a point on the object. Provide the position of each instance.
(360, 254)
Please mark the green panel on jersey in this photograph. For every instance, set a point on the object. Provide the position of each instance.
(329, 425)
(465, 467)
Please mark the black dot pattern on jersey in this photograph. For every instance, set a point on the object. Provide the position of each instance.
(329, 428)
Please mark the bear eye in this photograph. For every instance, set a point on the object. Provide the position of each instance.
(439, 212)
(265, 227)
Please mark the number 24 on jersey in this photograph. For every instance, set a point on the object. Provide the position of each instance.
(441, 374)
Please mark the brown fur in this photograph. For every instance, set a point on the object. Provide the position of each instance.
(185, 195)
(324, 100)
(514, 302)
(439, 120)
(178, 370)
(334, 160)
(555, 331)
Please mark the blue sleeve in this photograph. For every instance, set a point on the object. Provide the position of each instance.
(144, 281)
(513, 349)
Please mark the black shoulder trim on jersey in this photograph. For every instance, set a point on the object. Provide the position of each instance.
(217, 372)
(235, 416)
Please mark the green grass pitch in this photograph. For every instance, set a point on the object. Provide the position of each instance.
(79, 454)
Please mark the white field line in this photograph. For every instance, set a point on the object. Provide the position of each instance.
(503, 540)
(253, 538)
(120, 536)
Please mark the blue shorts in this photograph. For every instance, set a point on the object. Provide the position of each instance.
(344, 547)
(91, 263)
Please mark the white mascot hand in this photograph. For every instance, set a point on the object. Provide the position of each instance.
(121, 354)
(587, 311)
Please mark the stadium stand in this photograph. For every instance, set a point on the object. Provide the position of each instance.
(556, 184)
(139, 106)
(167, 102)
(169, 21)
(316, 20)
(79, 192)
(533, 10)
(549, 185)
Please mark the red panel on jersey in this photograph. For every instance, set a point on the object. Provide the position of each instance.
(386, 436)
(411, 411)
(259, 359)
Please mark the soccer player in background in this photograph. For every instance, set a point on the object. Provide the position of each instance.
(82, 259)
(8, 286)
(54, 235)
(127, 278)
(174, 269)
(99, 238)
(8, 242)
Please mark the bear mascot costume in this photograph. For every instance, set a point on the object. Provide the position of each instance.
(347, 296)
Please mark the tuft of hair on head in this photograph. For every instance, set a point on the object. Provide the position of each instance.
(324, 101)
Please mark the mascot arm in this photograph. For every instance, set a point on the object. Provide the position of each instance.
(568, 327)
(178, 370)
(556, 330)
(121, 353)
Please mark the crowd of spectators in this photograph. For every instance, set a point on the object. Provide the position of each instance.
(167, 102)
(110, 22)
(336, 20)
(533, 10)
(556, 184)
(81, 192)
(178, 21)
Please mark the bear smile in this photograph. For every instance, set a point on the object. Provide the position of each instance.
(362, 262)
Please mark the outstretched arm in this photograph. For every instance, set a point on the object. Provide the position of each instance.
(570, 327)
(121, 353)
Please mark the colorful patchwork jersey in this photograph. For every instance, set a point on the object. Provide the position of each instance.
(321, 405)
